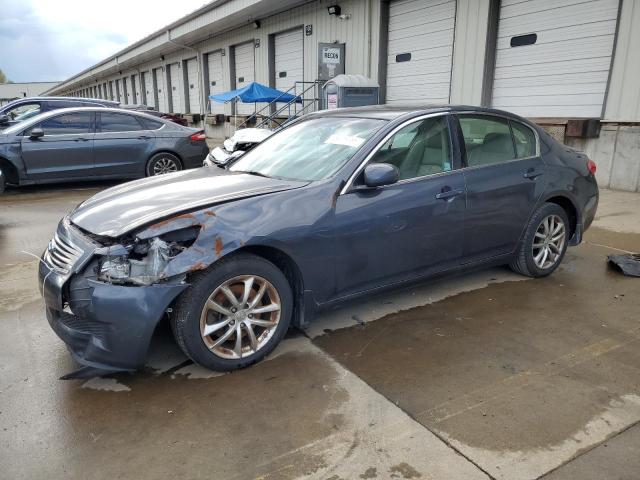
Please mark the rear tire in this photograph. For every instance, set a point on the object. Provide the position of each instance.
(545, 242)
(3, 181)
(162, 163)
(244, 296)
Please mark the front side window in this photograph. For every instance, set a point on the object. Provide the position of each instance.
(419, 149)
(309, 150)
(23, 111)
(67, 124)
(487, 140)
(118, 122)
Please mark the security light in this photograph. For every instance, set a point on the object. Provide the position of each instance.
(334, 10)
(256, 24)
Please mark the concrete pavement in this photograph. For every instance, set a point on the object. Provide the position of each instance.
(482, 375)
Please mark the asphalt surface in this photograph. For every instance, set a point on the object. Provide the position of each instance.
(481, 375)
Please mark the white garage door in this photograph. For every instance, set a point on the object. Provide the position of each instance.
(136, 93)
(193, 86)
(119, 97)
(175, 73)
(160, 88)
(420, 51)
(553, 57)
(126, 91)
(147, 87)
(289, 60)
(244, 60)
(216, 79)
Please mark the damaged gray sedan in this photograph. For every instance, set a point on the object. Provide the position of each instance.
(336, 205)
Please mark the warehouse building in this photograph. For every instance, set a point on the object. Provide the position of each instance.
(14, 90)
(571, 65)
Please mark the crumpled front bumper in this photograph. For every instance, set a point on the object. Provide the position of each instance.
(105, 326)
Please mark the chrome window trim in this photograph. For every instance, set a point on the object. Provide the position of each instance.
(375, 150)
(362, 165)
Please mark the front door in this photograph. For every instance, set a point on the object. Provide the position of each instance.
(408, 229)
(65, 150)
(505, 178)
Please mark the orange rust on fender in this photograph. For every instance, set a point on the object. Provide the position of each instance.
(219, 246)
(170, 220)
(210, 213)
(197, 266)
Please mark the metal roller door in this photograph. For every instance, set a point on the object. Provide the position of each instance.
(420, 51)
(193, 86)
(119, 92)
(147, 86)
(289, 60)
(161, 90)
(216, 79)
(126, 94)
(176, 88)
(553, 57)
(135, 89)
(244, 61)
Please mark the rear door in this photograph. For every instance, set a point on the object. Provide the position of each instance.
(66, 149)
(505, 178)
(121, 144)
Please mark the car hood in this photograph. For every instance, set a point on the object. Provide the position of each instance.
(120, 209)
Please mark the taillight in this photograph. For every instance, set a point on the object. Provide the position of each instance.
(591, 165)
(198, 137)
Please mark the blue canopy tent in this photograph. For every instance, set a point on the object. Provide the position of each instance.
(255, 93)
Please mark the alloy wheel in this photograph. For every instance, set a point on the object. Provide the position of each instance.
(548, 242)
(164, 165)
(240, 316)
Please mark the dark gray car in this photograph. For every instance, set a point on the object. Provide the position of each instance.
(96, 143)
(339, 204)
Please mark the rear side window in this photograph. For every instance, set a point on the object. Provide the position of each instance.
(67, 124)
(151, 124)
(118, 122)
(525, 140)
(487, 140)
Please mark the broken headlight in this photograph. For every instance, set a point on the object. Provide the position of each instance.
(142, 262)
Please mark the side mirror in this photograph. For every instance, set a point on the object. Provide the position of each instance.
(4, 119)
(36, 133)
(379, 174)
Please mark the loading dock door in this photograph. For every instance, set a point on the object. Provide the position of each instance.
(119, 92)
(289, 60)
(216, 79)
(147, 86)
(193, 86)
(176, 88)
(420, 51)
(553, 57)
(244, 61)
(160, 88)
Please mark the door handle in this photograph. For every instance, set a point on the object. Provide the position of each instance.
(531, 174)
(450, 193)
(143, 137)
(81, 139)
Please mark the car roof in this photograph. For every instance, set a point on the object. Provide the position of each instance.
(52, 113)
(392, 112)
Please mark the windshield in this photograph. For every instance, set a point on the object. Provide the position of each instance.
(310, 150)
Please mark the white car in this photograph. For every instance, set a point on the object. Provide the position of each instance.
(241, 142)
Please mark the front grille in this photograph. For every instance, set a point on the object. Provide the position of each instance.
(61, 254)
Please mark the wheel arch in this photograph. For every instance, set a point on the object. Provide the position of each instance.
(569, 206)
(10, 170)
(164, 150)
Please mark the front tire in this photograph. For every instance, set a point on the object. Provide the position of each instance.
(234, 313)
(545, 242)
(3, 181)
(162, 163)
